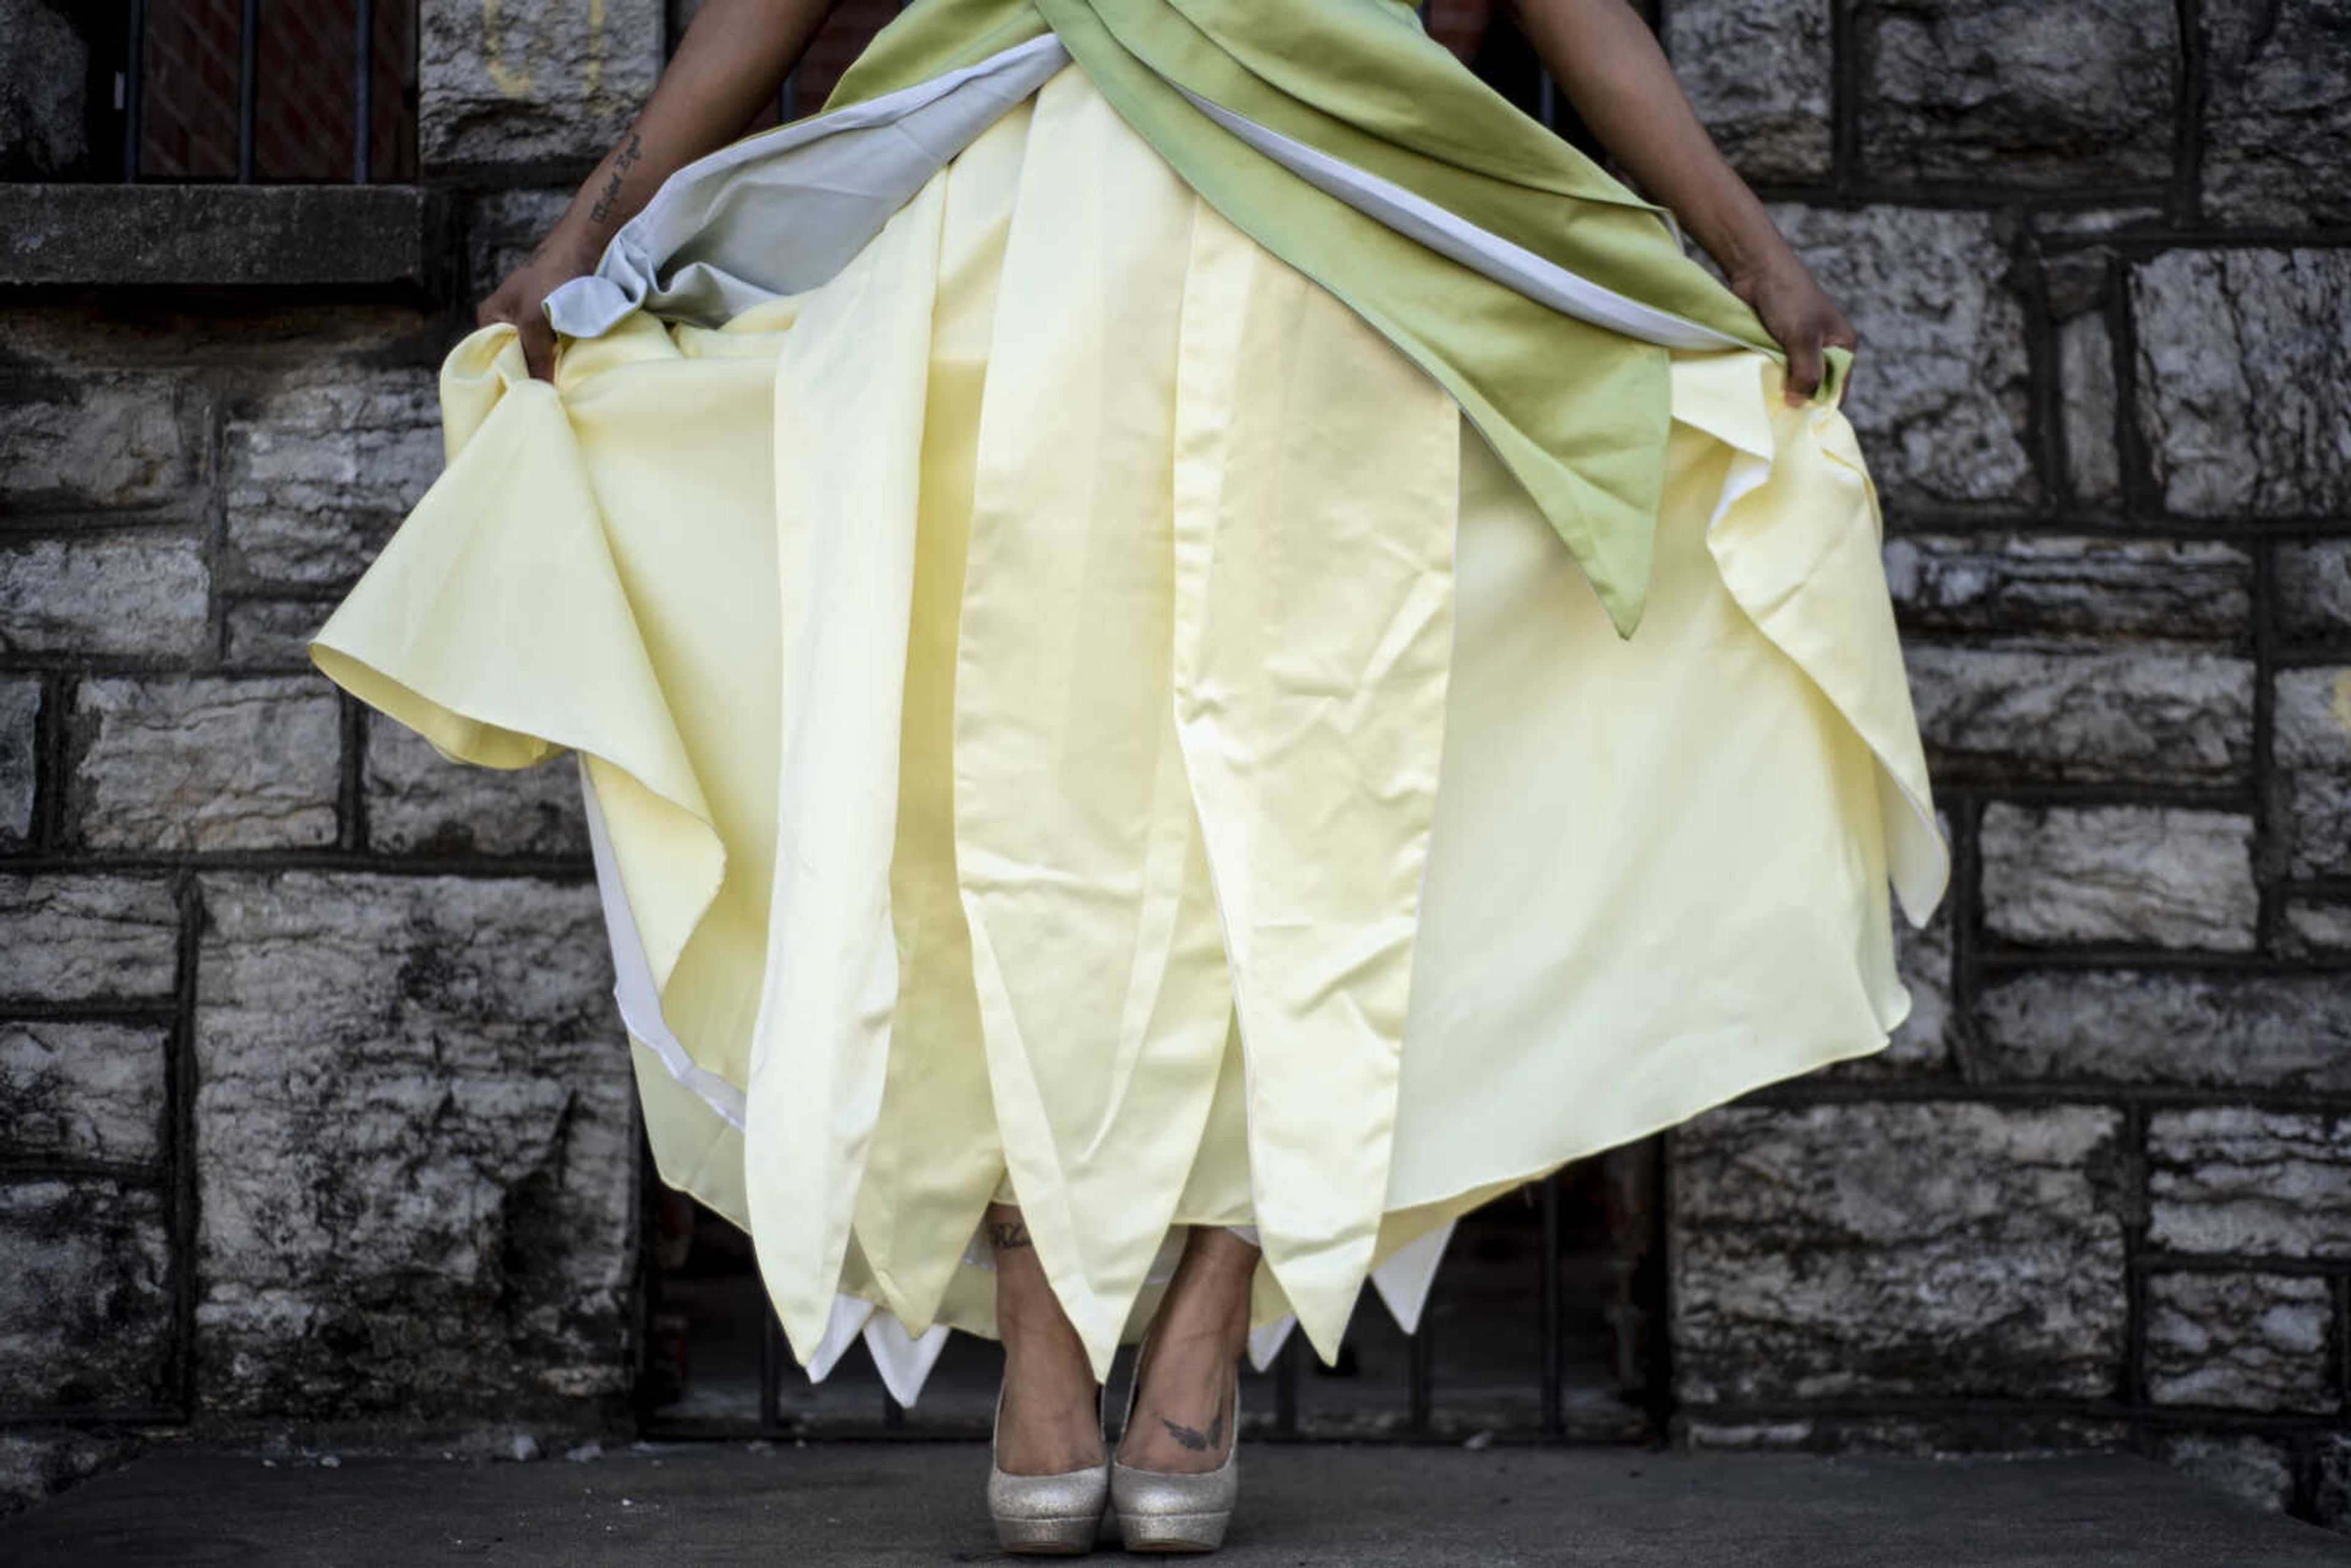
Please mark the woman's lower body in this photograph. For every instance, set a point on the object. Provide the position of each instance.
(1074, 719)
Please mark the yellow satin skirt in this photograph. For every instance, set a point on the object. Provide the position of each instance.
(1071, 714)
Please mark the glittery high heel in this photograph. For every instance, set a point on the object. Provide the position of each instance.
(1056, 1515)
(1169, 1510)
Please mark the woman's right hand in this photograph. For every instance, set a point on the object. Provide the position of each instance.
(517, 301)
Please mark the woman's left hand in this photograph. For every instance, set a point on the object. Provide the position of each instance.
(1800, 317)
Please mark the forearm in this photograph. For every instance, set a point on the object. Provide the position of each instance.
(1607, 63)
(731, 61)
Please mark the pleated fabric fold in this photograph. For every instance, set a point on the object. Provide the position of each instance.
(1067, 706)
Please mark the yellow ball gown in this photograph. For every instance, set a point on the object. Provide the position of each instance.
(1070, 712)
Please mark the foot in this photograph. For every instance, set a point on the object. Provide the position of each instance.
(1184, 1416)
(1052, 1420)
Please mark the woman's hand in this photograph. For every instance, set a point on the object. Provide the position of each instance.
(1800, 315)
(517, 299)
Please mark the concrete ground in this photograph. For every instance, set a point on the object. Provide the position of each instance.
(1367, 1507)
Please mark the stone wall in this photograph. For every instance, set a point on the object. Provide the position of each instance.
(314, 1111)
(2100, 1189)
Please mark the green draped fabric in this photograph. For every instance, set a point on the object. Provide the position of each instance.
(1578, 412)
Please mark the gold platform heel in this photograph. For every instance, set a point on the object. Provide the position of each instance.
(1168, 1511)
(1056, 1515)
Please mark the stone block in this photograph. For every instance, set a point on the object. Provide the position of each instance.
(2233, 1179)
(2170, 1027)
(320, 468)
(2150, 712)
(2020, 585)
(378, 239)
(419, 803)
(2277, 112)
(273, 633)
(2331, 1491)
(1920, 1045)
(1759, 75)
(101, 440)
(72, 939)
(2251, 1469)
(2172, 877)
(135, 593)
(43, 75)
(1939, 399)
(2314, 589)
(36, 1462)
(1857, 1251)
(205, 763)
(85, 1295)
(2245, 1342)
(417, 1157)
(2090, 408)
(2016, 92)
(532, 84)
(502, 228)
(2241, 356)
(2315, 927)
(76, 1089)
(20, 719)
(2310, 740)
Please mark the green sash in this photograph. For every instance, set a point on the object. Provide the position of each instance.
(1579, 413)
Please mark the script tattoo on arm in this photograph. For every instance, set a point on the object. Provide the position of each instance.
(1004, 1235)
(612, 192)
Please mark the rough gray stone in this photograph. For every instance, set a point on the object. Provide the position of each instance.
(1920, 1046)
(85, 1296)
(320, 469)
(210, 236)
(1759, 75)
(2149, 712)
(2331, 1493)
(2174, 877)
(205, 763)
(1950, 1434)
(1855, 1249)
(2314, 589)
(502, 228)
(78, 939)
(104, 439)
(2253, 1469)
(2247, 1342)
(2087, 394)
(2277, 111)
(81, 1089)
(2026, 94)
(529, 84)
(1939, 392)
(133, 593)
(2310, 740)
(2168, 1026)
(2242, 357)
(20, 716)
(419, 803)
(44, 68)
(273, 633)
(2315, 927)
(2019, 585)
(417, 1163)
(2237, 1180)
(36, 1462)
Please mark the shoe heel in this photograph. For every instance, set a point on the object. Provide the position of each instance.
(1173, 1532)
(1056, 1515)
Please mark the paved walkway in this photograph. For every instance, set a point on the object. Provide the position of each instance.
(1361, 1507)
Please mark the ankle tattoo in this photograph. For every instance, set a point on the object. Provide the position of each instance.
(1005, 1235)
(1192, 1438)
